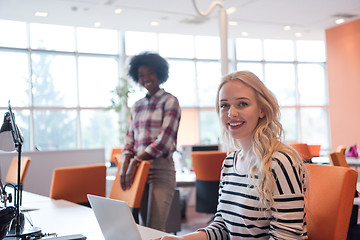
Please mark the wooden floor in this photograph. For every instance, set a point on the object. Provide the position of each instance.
(193, 221)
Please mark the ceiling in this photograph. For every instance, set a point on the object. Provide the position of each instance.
(258, 18)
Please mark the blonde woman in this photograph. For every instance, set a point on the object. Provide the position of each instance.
(263, 182)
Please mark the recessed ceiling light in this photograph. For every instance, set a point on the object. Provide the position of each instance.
(340, 21)
(41, 14)
(97, 24)
(244, 34)
(231, 10)
(233, 23)
(298, 34)
(154, 23)
(287, 28)
(118, 10)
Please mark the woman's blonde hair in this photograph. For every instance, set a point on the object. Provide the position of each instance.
(268, 134)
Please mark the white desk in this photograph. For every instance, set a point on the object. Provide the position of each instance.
(67, 218)
(185, 179)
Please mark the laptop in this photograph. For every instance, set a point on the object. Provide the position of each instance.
(115, 218)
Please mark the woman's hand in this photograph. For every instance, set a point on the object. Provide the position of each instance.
(123, 170)
(130, 173)
(199, 235)
(167, 238)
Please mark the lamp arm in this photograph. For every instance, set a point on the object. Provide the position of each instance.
(18, 225)
(212, 6)
(18, 140)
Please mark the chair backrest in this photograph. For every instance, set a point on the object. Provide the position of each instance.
(303, 150)
(207, 167)
(117, 158)
(341, 149)
(207, 164)
(133, 195)
(74, 183)
(314, 149)
(12, 173)
(114, 153)
(338, 159)
(329, 201)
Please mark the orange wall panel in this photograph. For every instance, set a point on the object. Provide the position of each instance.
(188, 128)
(343, 69)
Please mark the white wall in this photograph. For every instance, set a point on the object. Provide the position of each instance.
(39, 174)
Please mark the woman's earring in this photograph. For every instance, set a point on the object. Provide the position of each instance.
(262, 115)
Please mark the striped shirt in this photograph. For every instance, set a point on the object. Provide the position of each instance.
(240, 214)
(154, 125)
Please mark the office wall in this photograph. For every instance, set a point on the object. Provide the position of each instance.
(188, 131)
(343, 69)
(39, 174)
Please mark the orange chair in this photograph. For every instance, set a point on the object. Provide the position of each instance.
(329, 201)
(117, 159)
(338, 159)
(114, 153)
(12, 173)
(303, 151)
(74, 183)
(207, 167)
(133, 195)
(314, 150)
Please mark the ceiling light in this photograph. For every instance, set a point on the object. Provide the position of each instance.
(233, 23)
(244, 34)
(154, 23)
(287, 28)
(118, 10)
(298, 34)
(231, 10)
(97, 24)
(41, 14)
(340, 21)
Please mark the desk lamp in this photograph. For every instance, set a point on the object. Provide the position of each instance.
(10, 132)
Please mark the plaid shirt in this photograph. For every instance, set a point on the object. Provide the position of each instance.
(154, 125)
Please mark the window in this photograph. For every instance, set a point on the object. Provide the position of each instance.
(310, 51)
(207, 47)
(90, 40)
(249, 49)
(99, 128)
(44, 36)
(208, 79)
(280, 79)
(15, 73)
(137, 42)
(98, 76)
(312, 90)
(181, 82)
(60, 81)
(54, 80)
(54, 130)
(209, 127)
(278, 50)
(297, 80)
(176, 46)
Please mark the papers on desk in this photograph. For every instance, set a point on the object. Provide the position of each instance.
(28, 209)
(68, 237)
